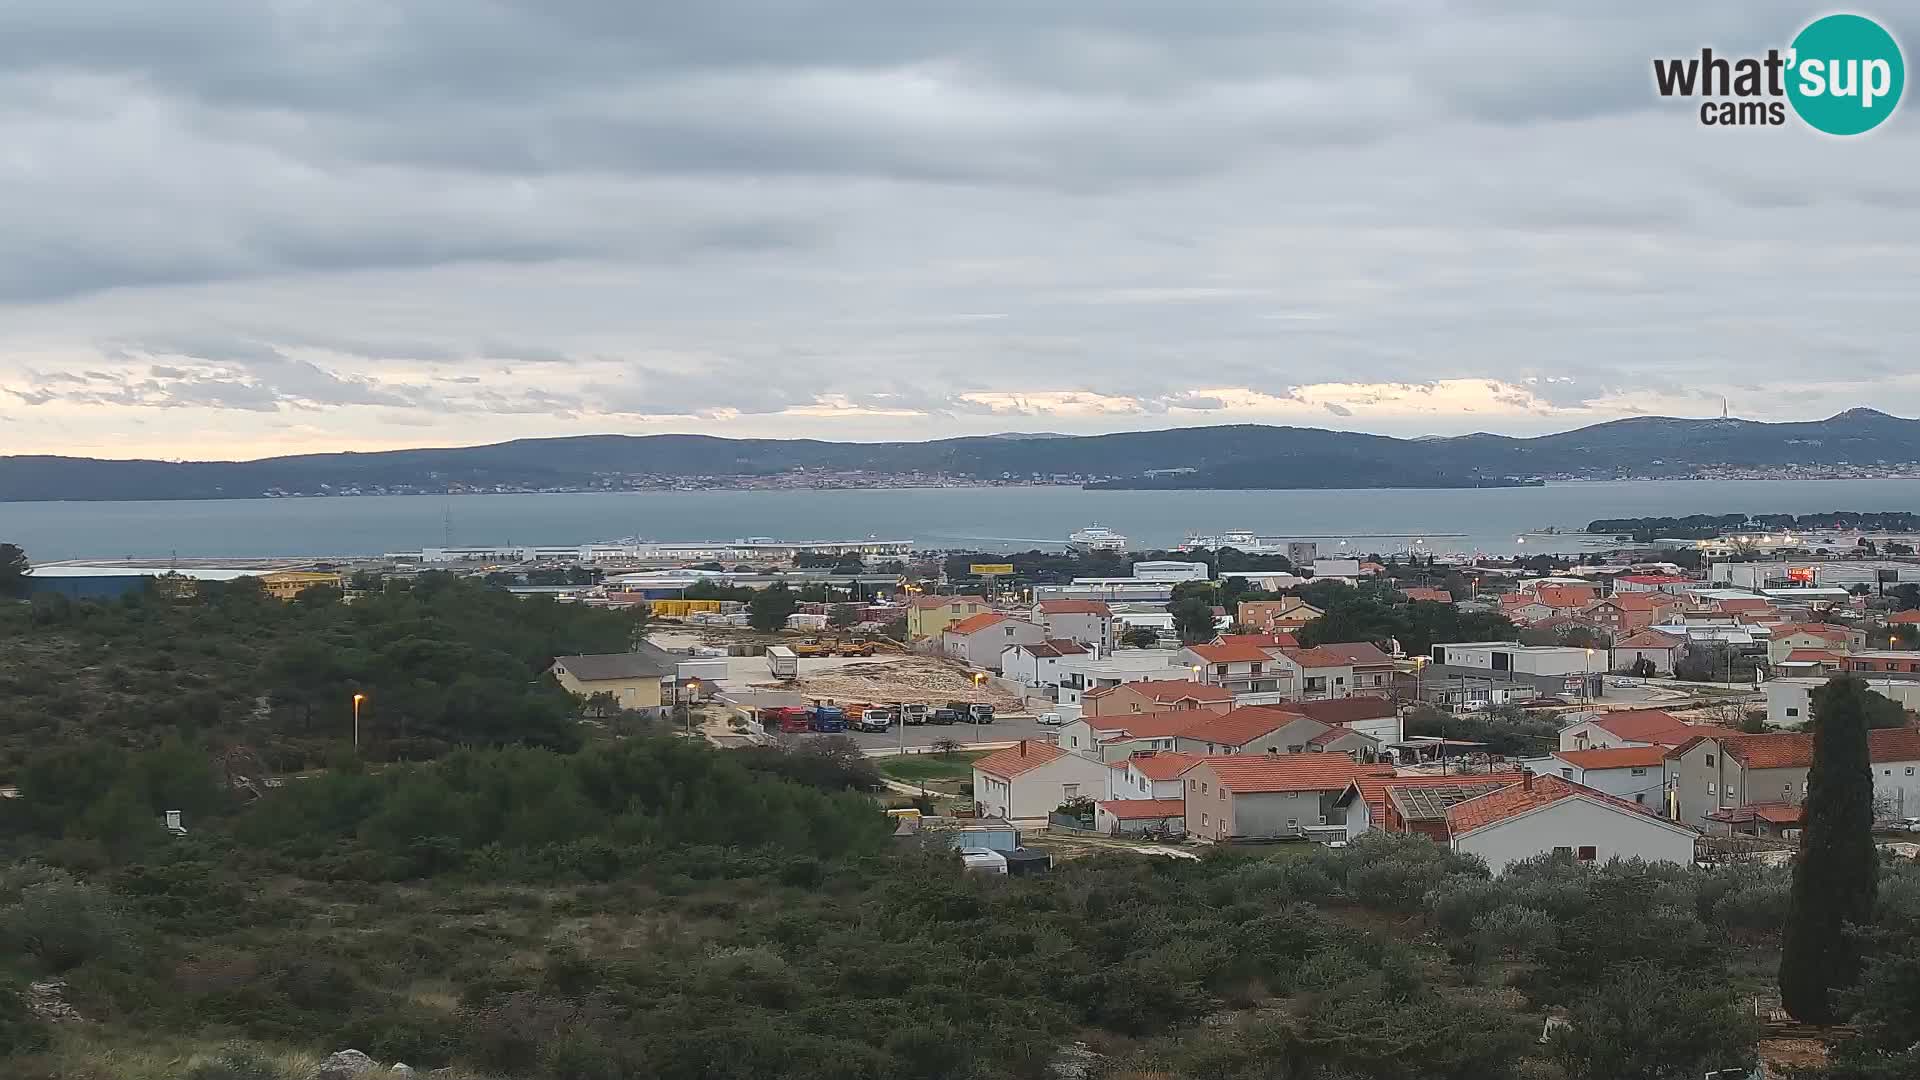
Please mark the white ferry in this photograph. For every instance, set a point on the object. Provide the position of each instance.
(1243, 540)
(1096, 538)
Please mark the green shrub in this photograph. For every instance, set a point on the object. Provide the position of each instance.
(20, 1031)
(62, 925)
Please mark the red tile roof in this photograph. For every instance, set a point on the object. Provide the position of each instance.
(1148, 725)
(1341, 654)
(1819, 630)
(1229, 654)
(1904, 617)
(1164, 690)
(1145, 809)
(1773, 813)
(1160, 764)
(1338, 711)
(1812, 656)
(1245, 774)
(1516, 799)
(1074, 607)
(1374, 788)
(1656, 726)
(1650, 639)
(1055, 647)
(1794, 749)
(1653, 579)
(1566, 596)
(1437, 596)
(1618, 757)
(1751, 604)
(1022, 757)
(1240, 726)
(976, 623)
(1334, 735)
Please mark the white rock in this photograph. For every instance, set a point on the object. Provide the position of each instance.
(343, 1065)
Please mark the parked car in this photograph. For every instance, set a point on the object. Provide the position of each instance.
(1050, 719)
(943, 717)
(1470, 706)
(875, 720)
(1911, 824)
(1622, 681)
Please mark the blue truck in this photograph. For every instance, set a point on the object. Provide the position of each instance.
(828, 718)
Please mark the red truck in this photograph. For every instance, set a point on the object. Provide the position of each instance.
(787, 718)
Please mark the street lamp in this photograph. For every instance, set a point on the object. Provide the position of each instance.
(979, 677)
(357, 699)
(1586, 683)
(693, 694)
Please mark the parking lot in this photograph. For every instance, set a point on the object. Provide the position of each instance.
(921, 736)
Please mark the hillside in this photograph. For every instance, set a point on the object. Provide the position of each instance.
(1231, 456)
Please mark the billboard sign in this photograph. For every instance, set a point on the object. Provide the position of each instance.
(990, 569)
(1800, 575)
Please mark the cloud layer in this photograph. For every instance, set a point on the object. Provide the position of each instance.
(241, 228)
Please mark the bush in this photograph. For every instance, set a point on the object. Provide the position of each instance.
(64, 925)
(1516, 930)
(20, 1031)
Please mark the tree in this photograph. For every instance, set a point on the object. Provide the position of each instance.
(770, 607)
(1647, 1022)
(1193, 620)
(14, 569)
(1905, 596)
(1643, 668)
(843, 616)
(1140, 637)
(1883, 711)
(1837, 870)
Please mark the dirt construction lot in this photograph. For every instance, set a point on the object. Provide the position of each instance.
(908, 679)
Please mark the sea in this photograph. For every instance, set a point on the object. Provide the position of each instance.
(1485, 520)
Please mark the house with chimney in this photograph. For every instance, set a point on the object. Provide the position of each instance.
(1285, 615)
(1623, 614)
(1821, 637)
(1262, 729)
(1243, 669)
(1412, 804)
(1730, 771)
(1656, 648)
(1030, 779)
(1338, 670)
(1550, 815)
(1630, 727)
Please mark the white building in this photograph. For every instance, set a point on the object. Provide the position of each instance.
(1790, 700)
(1038, 664)
(1522, 659)
(1550, 815)
(978, 641)
(1634, 773)
(1169, 570)
(1080, 674)
(1111, 590)
(1030, 779)
(1336, 568)
(1089, 622)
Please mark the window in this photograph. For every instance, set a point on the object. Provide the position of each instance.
(1640, 797)
(1222, 792)
(1192, 785)
(1339, 680)
(1070, 790)
(1709, 761)
(1636, 772)
(1203, 819)
(1909, 770)
(1710, 788)
(1588, 853)
(1219, 669)
(1203, 787)
(1136, 706)
(1563, 851)
(1566, 774)
(1793, 712)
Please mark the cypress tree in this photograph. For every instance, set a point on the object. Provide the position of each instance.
(1837, 870)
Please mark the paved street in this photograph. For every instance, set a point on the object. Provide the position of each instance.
(1003, 730)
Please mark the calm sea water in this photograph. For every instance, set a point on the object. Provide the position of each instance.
(1488, 520)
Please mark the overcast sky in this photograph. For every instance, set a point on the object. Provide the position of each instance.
(244, 227)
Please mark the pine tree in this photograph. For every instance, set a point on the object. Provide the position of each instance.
(1837, 870)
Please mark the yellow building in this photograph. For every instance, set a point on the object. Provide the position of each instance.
(929, 616)
(287, 584)
(637, 681)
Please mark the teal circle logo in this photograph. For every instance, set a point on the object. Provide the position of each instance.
(1845, 74)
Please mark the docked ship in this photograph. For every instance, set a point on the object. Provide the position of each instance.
(1096, 538)
(1243, 540)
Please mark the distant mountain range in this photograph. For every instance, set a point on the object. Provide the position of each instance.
(1238, 456)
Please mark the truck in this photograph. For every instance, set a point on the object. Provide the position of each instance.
(828, 719)
(785, 718)
(812, 647)
(912, 714)
(971, 713)
(782, 662)
(875, 720)
(855, 648)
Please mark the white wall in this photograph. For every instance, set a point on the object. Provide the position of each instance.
(1896, 788)
(1644, 789)
(1035, 793)
(1574, 823)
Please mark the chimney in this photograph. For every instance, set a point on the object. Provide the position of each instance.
(1526, 779)
(1023, 748)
